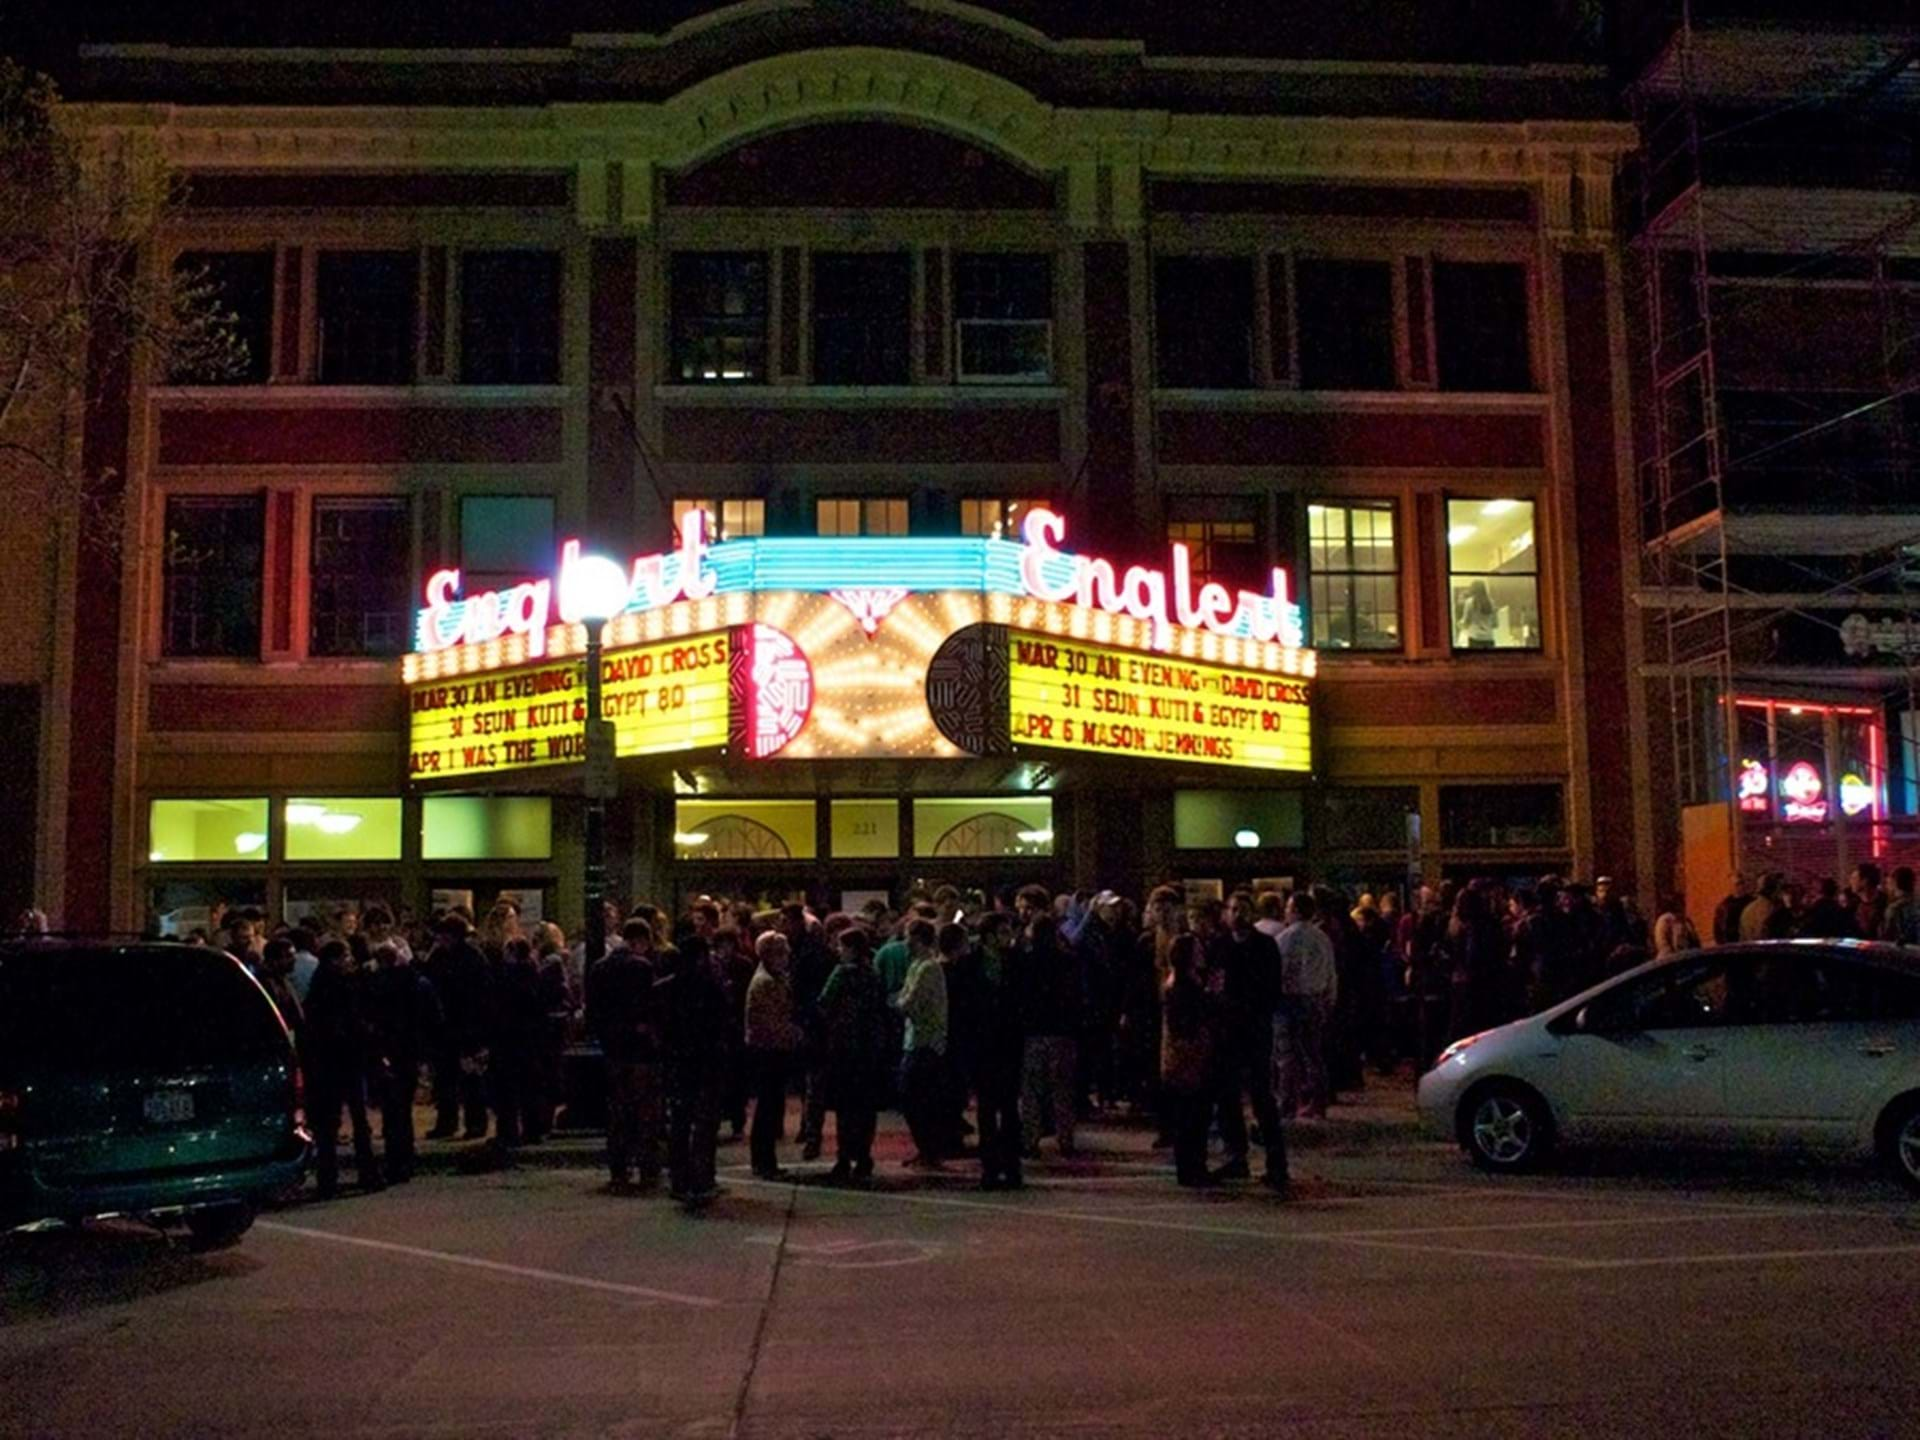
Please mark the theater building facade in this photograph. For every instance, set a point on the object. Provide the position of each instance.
(1000, 456)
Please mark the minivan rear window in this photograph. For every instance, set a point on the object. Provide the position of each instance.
(65, 1010)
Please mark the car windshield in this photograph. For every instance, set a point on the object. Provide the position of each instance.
(87, 1010)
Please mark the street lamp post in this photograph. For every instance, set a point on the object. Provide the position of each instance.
(599, 786)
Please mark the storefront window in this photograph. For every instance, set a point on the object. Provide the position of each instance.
(744, 830)
(1501, 817)
(354, 829)
(1354, 576)
(998, 825)
(866, 829)
(1237, 819)
(477, 827)
(1493, 575)
(180, 831)
(1369, 819)
(180, 908)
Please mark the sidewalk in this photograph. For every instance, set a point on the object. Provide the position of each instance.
(1382, 1113)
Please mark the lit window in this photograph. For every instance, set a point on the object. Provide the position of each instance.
(1493, 575)
(1354, 576)
(1237, 819)
(359, 828)
(720, 318)
(224, 831)
(211, 570)
(880, 516)
(744, 830)
(993, 827)
(726, 519)
(995, 517)
(360, 564)
(475, 827)
(866, 829)
(1221, 537)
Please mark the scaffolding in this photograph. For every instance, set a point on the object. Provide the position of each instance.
(1767, 166)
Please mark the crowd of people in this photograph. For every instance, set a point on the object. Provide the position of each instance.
(1027, 1011)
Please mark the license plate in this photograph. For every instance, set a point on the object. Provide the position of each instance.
(168, 1107)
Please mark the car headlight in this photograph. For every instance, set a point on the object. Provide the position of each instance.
(1457, 1048)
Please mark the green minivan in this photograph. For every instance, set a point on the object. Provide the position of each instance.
(152, 1080)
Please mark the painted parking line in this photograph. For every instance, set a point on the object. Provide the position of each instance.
(496, 1267)
(1751, 1257)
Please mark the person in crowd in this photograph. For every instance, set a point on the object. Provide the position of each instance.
(501, 925)
(305, 960)
(1586, 939)
(1190, 1035)
(961, 964)
(559, 1001)
(999, 1054)
(1479, 949)
(1870, 900)
(1358, 973)
(854, 1037)
(406, 1026)
(1726, 915)
(1309, 987)
(1140, 954)
(338, 1044)
(377, 925)
(701, 1034)
(1048, 985)
(1621, 921)
(623, 1015)
(275, 974)
(811, 962)
(461, 978)
(1901, 923)
(773, 1040)
(1826, 918)
(1248, 963)
(1089, 933)
(517, 1035)
(922, 1003)
(1767, 916)
(737, 962)
(1673, 932)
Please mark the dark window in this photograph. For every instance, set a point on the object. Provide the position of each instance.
(1346, 324)
(360, 569)
(509, 317)
(1480, 315)
(720, 318)
(1354, 576)
(211, 569)
(1203, 322)
(1369, 819)
(862, 308)
(504, 539)
(367, 305)
(171, 1010)
(1222, 539)
(234, 289)
(1003, 315)
(1500, 817)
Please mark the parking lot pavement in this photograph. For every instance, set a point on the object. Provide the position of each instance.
(1398, 1290)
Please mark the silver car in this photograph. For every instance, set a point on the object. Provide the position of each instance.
(1805, 1044)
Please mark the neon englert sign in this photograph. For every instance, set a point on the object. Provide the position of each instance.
(864, 567)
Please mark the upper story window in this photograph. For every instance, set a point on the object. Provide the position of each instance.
(360, 600)
(1221, 535)
(509, 317)
(211, 571)
(366, 303)
(995, 517)
(1345, 312)
(1203, 321)
(862, 317)
(1003, 318)
(504, 539)
(720, 318)
(883, 515)
(1354, 576)
(238, 292)
(726, 519)
(1480, 326)
(1493, 575)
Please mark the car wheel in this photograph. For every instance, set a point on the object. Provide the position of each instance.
(1505, 1128)
(1900, 1142)
(217, 1227)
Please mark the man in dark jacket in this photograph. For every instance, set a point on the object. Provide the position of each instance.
(1726, 915)
(338, 1039)
(406, 1023)
(998, 1047)
(458, 969)
(623, 1013)
(1047, 982)
(700, 1039)
(1249, 963)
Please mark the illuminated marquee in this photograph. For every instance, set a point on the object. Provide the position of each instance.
(846, 648)
(1069, 696)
